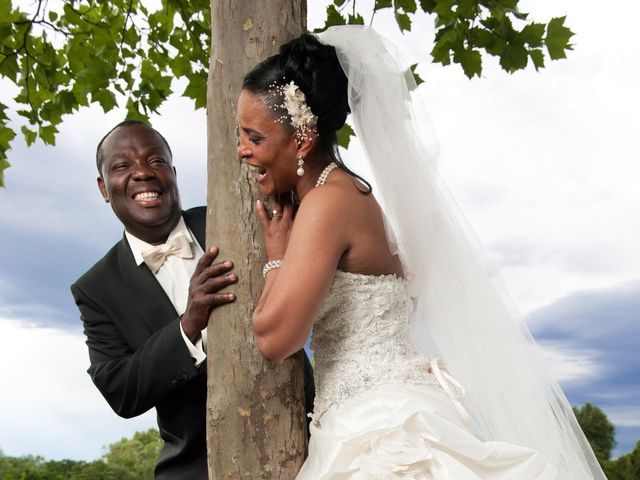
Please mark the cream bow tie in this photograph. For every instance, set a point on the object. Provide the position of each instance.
(178, 245)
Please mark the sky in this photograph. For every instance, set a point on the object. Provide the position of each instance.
(543, 164)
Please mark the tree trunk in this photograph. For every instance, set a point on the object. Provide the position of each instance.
(256, 427)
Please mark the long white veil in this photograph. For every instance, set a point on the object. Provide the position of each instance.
(461, 314)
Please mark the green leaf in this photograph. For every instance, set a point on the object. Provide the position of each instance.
(355, 20)
(95, 76)
(441, 55)
(30, 115)
(537, 58)
(67, 101)
(29, 135)
(557, 39)
(418, 79)
(3, 116)
(466, 9)
(479, 37)
(4, 164)
(9, 67)
(344, 135)
(470, 60)
(508, 4)
(407, 6)
(444, 11)
(505, 27)
(197, 89)
(6, 135)
(448, 36)
(6, 31)
(51, 112)
(5, 8)
(131, 36)
(428, 6)
(403, 21)
(180, 65)
(148, 70)
(519, 15)
(133, 111)
(106, 99)
(532, 34)
(334, 17)
(514, 57)
(339, 3)
(48, 134)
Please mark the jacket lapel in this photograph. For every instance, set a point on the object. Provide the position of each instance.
(147, 295)
(196, 220)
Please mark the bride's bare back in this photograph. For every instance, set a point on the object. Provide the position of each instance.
(358, 218)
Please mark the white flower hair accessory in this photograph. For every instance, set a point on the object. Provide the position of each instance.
(296, 104)
(301, 117)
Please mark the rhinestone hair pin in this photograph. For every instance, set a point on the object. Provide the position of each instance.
(298, 114)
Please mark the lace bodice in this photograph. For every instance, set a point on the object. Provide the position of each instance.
(362, 338)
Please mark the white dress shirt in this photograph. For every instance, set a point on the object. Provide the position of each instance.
(174, 276)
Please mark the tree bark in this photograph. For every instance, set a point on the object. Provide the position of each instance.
(256, 426)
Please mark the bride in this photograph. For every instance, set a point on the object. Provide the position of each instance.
(403, 311)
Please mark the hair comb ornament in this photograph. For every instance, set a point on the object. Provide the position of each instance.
(299, 115)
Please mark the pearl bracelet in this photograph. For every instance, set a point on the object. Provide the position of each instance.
(271, 265)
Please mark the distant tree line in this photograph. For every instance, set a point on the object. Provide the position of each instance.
(127, 459)
(601, 435)
(134, 459)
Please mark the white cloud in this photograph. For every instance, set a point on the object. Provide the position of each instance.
(49, 406)
(570, 364)
(624, 416)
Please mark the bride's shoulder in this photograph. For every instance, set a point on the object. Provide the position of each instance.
(338, 208)
(346, 196)
(342, 188)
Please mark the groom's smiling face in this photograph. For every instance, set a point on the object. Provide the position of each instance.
(138, 179)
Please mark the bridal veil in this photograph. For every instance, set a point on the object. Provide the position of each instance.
(462, 315)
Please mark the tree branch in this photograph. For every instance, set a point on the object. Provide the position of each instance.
(124, 27)
(187, 23)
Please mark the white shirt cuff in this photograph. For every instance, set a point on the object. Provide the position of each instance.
(198, 351)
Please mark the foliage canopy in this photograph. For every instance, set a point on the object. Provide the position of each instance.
(598, 429)
(66, 54)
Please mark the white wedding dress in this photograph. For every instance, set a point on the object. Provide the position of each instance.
(384, 411)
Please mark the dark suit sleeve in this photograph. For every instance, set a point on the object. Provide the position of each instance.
(133, 379)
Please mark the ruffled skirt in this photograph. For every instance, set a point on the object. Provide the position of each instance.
(410, 432)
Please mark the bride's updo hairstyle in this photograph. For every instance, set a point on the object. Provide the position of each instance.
(316, 71)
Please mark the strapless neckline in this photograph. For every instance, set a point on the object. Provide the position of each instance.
(368, 276)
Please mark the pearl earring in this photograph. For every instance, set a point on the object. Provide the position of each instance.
(300, 170)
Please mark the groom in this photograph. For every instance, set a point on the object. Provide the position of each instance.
(145, 305)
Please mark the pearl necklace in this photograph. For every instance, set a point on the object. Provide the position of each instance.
(322, 179)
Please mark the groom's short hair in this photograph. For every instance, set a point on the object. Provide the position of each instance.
(125, 123)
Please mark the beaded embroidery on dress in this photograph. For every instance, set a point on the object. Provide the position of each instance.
(356, 352)
(381, 411)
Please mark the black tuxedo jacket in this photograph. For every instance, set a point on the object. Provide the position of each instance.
(139, 359)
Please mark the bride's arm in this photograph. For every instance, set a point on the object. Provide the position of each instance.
(293, 294)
